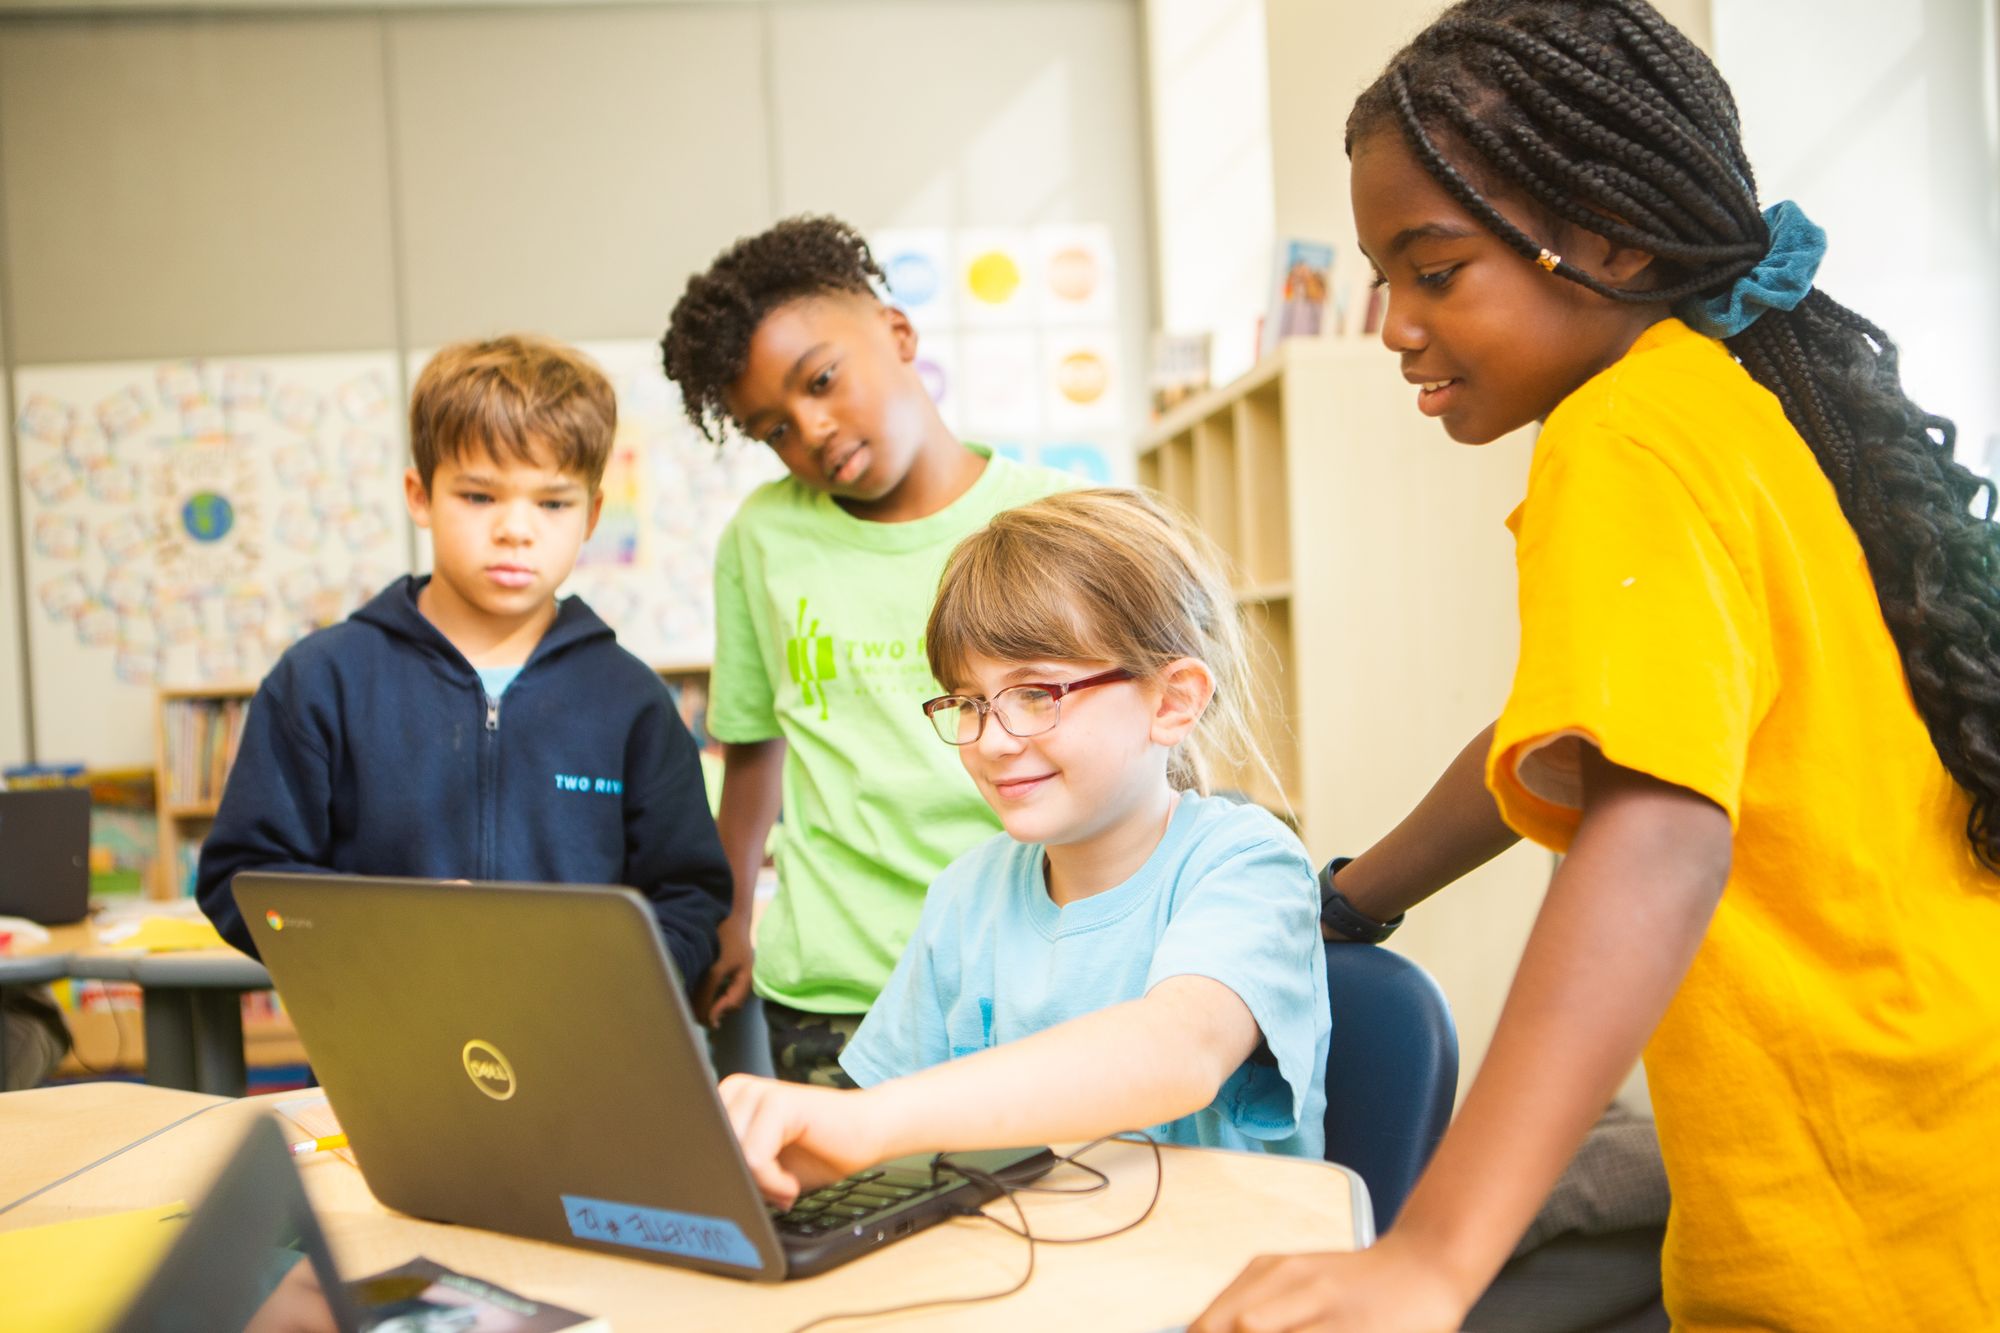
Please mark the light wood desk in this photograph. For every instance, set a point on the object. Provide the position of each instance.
(1217, 1211)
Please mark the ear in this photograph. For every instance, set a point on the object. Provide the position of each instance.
(596, 512)
(1611, 262)
(1185, 687)
(901, 332)
(417, 497)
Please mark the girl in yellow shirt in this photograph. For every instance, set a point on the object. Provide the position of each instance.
(1757, 705)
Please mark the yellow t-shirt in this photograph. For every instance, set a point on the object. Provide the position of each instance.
(1827, 1079)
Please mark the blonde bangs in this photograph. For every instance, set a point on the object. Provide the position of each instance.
(1102, 575)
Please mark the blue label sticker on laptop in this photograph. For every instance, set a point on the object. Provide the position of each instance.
(687, 1234)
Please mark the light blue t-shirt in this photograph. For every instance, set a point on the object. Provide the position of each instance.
(497, 679)
(1228, 894)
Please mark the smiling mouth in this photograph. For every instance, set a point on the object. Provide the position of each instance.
(1020, 786)
(1435, 397)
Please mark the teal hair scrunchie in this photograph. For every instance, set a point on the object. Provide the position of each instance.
(1779, 282)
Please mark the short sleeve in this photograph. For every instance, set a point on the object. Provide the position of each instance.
(1639, 636)
(1251, 922)
(741, 703)
(907, 1028)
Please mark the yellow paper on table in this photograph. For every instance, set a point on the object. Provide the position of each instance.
(169, 934)
(80, 1275)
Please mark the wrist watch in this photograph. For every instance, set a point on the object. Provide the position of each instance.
(1343, 918)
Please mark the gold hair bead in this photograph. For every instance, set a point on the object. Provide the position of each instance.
(1547, 260)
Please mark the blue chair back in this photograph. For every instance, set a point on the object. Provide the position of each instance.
(1391, 1070)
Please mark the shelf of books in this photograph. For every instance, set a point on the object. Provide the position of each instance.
(197, 735)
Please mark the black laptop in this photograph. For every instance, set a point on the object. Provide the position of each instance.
(45, 854)
(522, 1058)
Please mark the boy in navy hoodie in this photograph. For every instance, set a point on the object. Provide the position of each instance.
(469, 725)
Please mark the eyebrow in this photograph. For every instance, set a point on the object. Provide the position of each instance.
(1037, 672)
(791, 378)
(486, 482)
(1429, 231)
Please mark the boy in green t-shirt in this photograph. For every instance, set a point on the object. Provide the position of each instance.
(823, 581)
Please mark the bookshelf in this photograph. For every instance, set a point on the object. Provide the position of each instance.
(195, 737)
(1376, 579)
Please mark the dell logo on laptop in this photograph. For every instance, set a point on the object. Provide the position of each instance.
(488, 1069)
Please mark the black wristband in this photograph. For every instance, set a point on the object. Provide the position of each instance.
(1342, 917)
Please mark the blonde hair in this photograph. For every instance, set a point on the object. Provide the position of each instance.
(505, 396)
(1105, 575)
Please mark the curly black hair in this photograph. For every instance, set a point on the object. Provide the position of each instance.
(707, 342)
(1601, 113)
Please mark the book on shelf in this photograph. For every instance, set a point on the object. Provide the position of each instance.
(201, 738)
(1301, 276)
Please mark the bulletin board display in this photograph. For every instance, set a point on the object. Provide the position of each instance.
(185, 521)
(649, 569)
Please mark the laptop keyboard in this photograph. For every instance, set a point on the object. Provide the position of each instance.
(852, 1201)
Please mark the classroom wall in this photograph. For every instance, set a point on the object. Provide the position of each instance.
(1210, 103)
(1901, 166)
(13, 686)
(263, 180)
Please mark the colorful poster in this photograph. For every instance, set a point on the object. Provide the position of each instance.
(918, 265)
(1019, 345)
(996, 276)
(1077, 282)
(189, 520)
(1080, 380)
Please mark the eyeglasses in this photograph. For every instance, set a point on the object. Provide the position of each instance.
(1024, 710)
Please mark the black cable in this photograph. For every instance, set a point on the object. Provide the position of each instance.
(1159, 1180)
(1012, 1194)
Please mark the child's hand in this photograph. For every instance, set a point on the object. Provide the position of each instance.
(1390, 1288)
(726, 985)
(797, 1138)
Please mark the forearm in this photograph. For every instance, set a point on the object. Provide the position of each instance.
(1140, 1063)
(1453, 831)
(1619, 929)
(751, 796)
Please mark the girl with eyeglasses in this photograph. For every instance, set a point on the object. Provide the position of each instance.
(1134, 951)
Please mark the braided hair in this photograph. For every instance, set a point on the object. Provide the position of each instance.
(707, 343)
(1602, 114)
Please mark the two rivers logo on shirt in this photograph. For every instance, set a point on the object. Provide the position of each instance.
(601, 786)
(809, 658)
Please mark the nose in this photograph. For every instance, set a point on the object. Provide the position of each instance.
(818, 425)
(996, 742)
(516, 526)
(1401, 332)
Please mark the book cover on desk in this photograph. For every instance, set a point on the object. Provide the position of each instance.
(1301, 274)
(423, 1296)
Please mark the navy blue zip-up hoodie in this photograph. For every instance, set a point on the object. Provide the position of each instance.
(372, 749)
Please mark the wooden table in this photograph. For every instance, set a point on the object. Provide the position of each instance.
(1217, 1210)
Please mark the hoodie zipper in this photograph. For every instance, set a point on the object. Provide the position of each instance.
(489, 763)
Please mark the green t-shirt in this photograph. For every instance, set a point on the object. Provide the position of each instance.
(819, 638)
